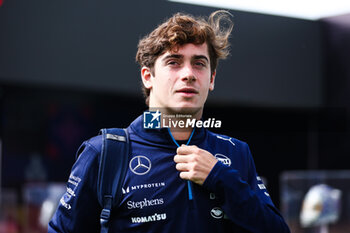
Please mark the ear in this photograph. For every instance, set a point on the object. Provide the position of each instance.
(146, 77)
(212, 81)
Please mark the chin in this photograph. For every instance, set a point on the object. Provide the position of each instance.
(186, 109)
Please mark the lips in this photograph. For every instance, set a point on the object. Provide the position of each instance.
(189, 91)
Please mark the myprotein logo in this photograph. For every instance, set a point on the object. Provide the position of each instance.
(128, 189)
(144, 203)
(140, 165)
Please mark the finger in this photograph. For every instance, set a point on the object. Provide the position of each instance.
(182, 167)
(181, 159)
(185, 175)
(185, 150)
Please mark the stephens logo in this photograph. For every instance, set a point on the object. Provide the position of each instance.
(144, 203)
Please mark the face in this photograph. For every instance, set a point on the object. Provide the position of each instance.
(181, 80)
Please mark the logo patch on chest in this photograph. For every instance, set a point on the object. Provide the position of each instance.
(140, 165)
(223, 159)
(217, 213)
(144, 203)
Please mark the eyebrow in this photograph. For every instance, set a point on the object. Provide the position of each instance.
(197, 57)
(178, 56)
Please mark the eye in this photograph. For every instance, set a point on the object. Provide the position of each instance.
(173, 63)
(200, 64)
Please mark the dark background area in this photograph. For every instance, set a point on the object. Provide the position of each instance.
(275, 61)
(67, 69)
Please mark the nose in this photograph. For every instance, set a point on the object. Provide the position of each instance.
(187, 74)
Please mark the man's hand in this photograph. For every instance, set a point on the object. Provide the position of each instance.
(194, 163)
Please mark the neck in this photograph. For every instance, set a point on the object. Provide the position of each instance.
(183, 133)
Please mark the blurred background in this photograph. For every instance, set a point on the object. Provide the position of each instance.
(67, 69)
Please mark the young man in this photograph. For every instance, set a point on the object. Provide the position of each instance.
(209, 183)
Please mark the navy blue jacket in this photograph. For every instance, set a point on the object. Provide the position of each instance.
(155, 199)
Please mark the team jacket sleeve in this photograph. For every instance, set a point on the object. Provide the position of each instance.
(245, 202)
(78, 209)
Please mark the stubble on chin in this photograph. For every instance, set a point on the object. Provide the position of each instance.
(195, 112)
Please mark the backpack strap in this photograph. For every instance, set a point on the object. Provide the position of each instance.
(112, 170)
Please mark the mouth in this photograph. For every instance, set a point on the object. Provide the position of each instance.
(187, 91)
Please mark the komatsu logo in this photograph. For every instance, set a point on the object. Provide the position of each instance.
(152, 218)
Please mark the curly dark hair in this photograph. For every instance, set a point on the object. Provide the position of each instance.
(181, 29)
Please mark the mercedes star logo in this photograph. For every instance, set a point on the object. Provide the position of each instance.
(140, 165)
